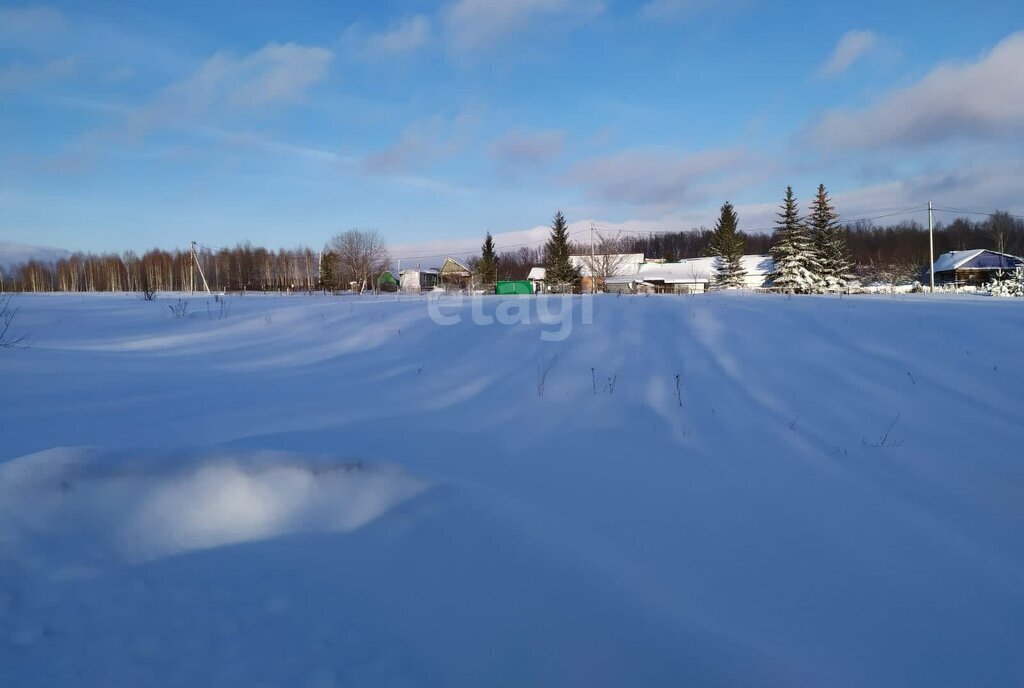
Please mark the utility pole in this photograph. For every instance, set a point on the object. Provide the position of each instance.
(931, 248)
(593, 265)
(195, 259)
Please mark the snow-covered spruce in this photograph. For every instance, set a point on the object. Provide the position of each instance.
(835, 268)
(1012, 286)
(796, 262)
(727, 245)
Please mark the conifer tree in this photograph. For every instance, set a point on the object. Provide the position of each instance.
(835, 266)
(796, 266)
(487, 268)
(328, 278)
(727, 245)
(559, 269)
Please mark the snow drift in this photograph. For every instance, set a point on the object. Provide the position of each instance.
(723, 490)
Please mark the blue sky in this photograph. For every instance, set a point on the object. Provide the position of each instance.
(129, 126)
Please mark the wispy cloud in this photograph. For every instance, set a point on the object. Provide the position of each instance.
(474, 25)
(978, 100)
(652, 176)
(275, 74)
(522, 147)
(402, 38)
(21, 75)
(852, 46)
(423, 143)
(120, 74)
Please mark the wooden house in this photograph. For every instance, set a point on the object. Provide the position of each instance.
(974, 267)
(455, 275)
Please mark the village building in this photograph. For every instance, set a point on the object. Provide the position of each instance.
(974, 267)
(538, 278)
(418, 279)
(455, 275)
(594, 270)
(693, 276)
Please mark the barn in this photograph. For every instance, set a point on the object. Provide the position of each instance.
(974, 267)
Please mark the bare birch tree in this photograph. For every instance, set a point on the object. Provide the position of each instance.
(361, 256)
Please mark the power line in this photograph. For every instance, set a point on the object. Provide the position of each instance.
(950, 209)
(906, 211)
(475, 251)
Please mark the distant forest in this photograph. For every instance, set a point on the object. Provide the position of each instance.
(891, 253)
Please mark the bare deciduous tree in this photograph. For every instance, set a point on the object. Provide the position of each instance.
(9, 340)
(361, 256)
(1001, 231)
(606, 259)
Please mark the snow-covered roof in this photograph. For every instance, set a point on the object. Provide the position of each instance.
(697, 270)
(624, 263)
(957, 259)
(537, 274)
(429, 271)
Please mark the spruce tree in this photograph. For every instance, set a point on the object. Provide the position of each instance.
(727, 245)
(835, 266)
(487, 268)
(328, 278)
(796, 266)
(559, 269)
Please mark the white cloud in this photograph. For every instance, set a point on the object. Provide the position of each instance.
(276, 74)
(12, 254)
(472, 25)
(983, 99)
(522, 147)
(405, 37)
(20, 75)
(652, 176)
(852, 46)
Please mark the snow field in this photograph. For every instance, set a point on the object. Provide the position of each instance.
(725, 489)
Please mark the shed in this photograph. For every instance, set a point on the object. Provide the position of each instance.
(537, 277)
(418, 279)
(974, 267)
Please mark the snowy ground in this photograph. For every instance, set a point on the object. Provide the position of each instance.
(320, 491)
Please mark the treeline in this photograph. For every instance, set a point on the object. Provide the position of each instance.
(242, 268)
(890, 252)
